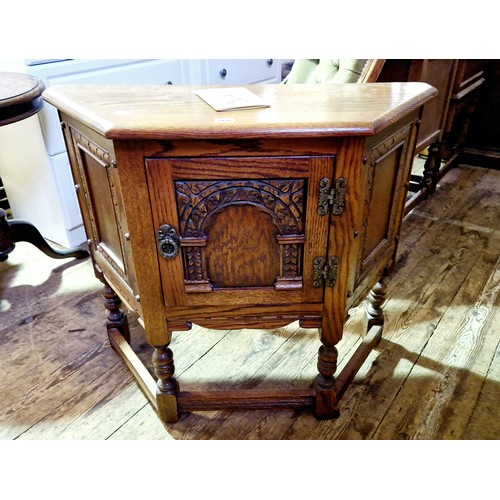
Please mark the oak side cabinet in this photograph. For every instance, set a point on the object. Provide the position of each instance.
(242, 219)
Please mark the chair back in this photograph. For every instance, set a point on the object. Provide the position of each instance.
(371, 71)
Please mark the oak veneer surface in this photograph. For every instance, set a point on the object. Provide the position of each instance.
(174, 112)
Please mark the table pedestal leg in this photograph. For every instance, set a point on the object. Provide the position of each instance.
(15, 230)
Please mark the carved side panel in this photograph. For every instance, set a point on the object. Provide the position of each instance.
(101, 200)
(202, 203)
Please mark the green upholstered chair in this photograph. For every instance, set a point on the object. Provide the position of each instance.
(334, 71)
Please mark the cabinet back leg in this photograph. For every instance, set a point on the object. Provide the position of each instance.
(115, 317)
(376, 299)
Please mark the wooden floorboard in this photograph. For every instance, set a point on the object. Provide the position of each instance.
(434, 376)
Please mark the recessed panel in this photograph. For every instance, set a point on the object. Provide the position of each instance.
(241, 233)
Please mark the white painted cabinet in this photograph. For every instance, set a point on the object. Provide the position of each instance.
(240, 71)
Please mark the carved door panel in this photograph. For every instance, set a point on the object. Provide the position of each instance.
(238, 230)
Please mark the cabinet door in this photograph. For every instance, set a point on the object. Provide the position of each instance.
(248, 228)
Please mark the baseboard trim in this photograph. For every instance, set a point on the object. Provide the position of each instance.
(489, 158)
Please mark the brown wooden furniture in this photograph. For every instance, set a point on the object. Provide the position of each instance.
(252, 218)
(440, 73)
(467, 84)
(371, 71)
(20, 98)
(482, 144)
(445, 119)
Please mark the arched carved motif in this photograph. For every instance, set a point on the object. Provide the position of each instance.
(199, 202)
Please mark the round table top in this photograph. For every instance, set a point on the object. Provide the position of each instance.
(20, 96)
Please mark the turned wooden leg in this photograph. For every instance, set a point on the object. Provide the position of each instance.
(376, 299)
(431, 168)
(167, 387)
(115, 318)
(324, 383)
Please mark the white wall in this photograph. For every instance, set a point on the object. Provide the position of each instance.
(14, 65)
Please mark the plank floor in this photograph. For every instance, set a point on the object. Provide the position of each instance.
(434, 376)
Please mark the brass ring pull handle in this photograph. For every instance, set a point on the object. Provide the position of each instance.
(168, 241)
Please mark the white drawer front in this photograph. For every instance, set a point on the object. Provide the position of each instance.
(92, 72)
(242, 71)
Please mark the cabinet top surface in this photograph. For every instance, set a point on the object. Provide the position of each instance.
(296, 110)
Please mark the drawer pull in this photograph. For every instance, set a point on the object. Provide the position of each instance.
(270, 62)
(223, 73)
(168, 241)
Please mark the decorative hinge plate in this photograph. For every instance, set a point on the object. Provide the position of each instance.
(326, 273)
(331, 196)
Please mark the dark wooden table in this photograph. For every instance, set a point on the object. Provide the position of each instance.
(20, 98)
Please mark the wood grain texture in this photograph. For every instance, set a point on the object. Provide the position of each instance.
(174, 112)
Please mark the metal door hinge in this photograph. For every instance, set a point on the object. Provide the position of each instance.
(331, 196)
(326, 273)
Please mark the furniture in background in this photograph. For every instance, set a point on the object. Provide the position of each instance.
(4, 202)
(482, 142)
(335, 71)
(58, 218)
(444, 123)
(244, 219)
(445, 120)
(20, 98)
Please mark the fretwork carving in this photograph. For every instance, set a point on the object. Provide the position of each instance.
(93, 149)
(394, 141)
(200, 200)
